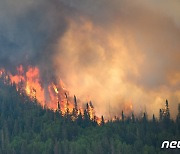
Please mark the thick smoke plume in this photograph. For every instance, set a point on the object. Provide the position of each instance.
(28, 31)
(116, 53)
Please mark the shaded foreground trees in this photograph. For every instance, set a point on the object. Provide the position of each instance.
(27, 128)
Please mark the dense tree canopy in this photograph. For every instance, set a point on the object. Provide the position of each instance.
(25, 127)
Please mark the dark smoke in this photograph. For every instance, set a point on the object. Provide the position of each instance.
(28, 32)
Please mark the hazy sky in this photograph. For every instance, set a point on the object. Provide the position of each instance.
(116, 53)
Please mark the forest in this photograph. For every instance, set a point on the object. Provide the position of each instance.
(27, 128)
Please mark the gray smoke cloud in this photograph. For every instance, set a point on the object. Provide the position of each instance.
(114, 52)
(28, 31)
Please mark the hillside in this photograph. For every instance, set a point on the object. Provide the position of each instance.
(25, 127)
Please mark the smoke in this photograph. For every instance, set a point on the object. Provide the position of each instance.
(28, 31)
(116, 53)
(122, 52)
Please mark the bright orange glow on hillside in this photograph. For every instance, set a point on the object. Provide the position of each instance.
(54, 96)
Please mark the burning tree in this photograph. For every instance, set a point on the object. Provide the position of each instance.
(52, 96)
(164, 113)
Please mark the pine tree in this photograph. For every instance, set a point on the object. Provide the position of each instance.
(75, 109)
(144, 117)
(67, 106)
(86, 115)
(86, 118)
(75, 103)
(153, 118)
(178, 116)
(94, 121)
(87, 107)
(133, 118)
(79, 118)
(167, 113)
(166, 116)
(122, 116)
(160, 115)
(102, 121)
(59, 108)
(91, 105)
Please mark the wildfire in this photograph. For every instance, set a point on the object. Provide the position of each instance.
(29, 82)
(54, 96)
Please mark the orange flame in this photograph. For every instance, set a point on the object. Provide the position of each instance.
(30, 82)
(54, 96)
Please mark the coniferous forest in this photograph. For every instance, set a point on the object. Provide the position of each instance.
(27, 128)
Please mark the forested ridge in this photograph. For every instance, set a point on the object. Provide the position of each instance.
(25, 128)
